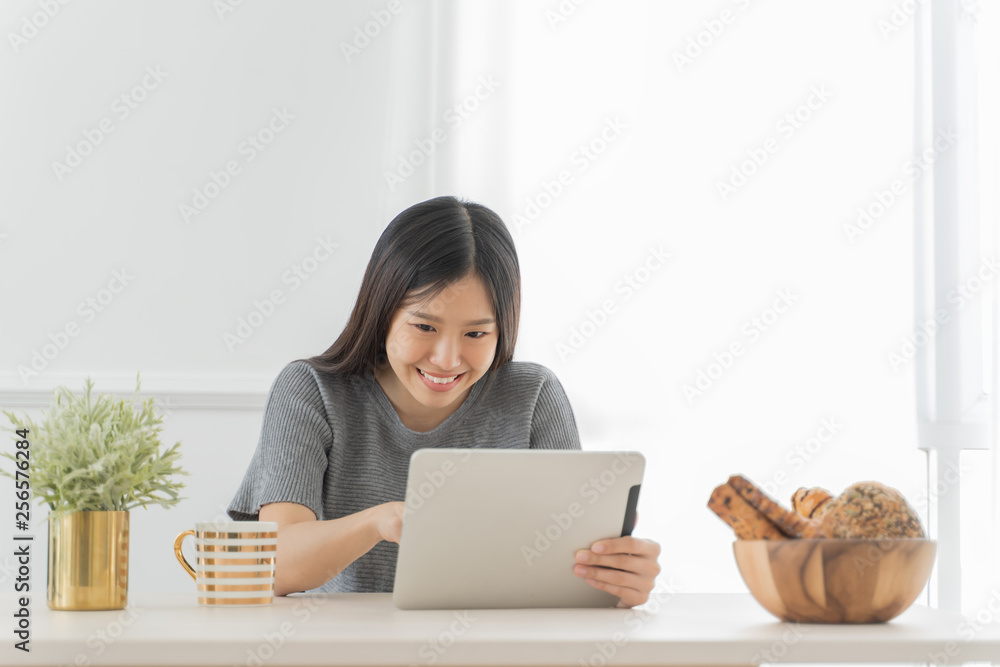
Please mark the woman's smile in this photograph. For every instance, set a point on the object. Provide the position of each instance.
(436, 382)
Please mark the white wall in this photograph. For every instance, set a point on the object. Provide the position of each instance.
(188, 282)
(683, 130)
(191, 280)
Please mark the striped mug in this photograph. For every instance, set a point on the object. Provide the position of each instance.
(234, 561)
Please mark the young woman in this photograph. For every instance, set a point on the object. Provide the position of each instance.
(424, 361)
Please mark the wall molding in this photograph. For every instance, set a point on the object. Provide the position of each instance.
(171, 391)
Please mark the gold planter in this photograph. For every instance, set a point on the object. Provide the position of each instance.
(88, 560)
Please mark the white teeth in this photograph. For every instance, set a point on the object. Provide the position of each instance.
(437, 380)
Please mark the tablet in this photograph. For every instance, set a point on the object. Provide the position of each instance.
(499, 528)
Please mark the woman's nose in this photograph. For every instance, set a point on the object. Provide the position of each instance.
(445, 354)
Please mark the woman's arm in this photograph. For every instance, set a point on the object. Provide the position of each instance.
(312, 552)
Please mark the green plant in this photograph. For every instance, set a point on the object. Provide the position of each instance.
(95, 453)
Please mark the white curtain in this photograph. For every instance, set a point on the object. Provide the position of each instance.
(714, 214)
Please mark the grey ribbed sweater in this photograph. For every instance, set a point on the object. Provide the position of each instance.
(335, 444)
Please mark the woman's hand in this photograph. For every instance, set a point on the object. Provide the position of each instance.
(623, 566)
(388, 520)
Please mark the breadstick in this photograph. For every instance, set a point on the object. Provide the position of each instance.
(744, 518)
(790, 523)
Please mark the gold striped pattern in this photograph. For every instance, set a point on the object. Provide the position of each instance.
(234, 564)
(209, 535)
(236, 548)
(259, 574)
(237, 601)
(267, 560)
(229, 588)
(238, 561)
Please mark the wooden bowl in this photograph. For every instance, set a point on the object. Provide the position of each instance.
(835, 581)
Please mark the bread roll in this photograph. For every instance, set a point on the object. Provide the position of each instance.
(811, 503)
(869, 510)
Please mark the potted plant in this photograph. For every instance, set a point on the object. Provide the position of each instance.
(92, 460)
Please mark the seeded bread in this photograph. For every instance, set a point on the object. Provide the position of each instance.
(869, 510)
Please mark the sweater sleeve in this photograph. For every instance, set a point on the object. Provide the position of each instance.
(289, 464)
(553, 425)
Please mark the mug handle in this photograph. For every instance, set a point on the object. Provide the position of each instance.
(180, 556)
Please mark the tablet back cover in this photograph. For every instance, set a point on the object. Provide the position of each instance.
(498, 528)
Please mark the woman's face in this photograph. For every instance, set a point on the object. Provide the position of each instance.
(451, 338)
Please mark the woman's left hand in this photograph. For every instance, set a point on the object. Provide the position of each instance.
(622, 566)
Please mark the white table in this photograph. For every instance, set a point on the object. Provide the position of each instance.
(365, 629)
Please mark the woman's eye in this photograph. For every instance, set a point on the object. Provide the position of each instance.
(477, 334)
(424, 327)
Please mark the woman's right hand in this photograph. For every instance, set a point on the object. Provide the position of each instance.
(389, 521)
